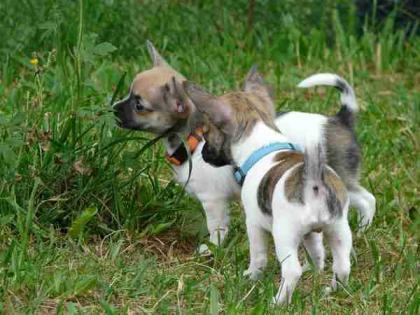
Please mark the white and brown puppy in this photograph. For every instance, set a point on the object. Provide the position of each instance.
(291, 194)
(154, 104)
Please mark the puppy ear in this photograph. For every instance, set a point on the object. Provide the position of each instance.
(253, 79)
(254, 83)
(183, 103)
(157, 59)
(218, 112)
(175, 98)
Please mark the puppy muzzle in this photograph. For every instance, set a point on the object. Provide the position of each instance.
(123, 114)
(213, 157)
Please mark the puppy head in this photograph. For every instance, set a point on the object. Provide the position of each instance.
(156, 102)
(230, 118)
(216, 150)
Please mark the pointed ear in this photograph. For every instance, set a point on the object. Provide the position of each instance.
(178, 89)
(157, 59)
(254, 83)
(253, 78)
(175, 98)
(183, 103)
(218, 112)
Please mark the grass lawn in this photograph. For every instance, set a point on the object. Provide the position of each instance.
(90, 220)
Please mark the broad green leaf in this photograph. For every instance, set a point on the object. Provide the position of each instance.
(109, 310)
(79, 224)
(14, 142)
(8, 155)
(84, 285)
(18, 119)
(5, 220)
(47, 26)
(104, 49)
(160, 227)
(3, 120)
(71, 308)
(214, 300)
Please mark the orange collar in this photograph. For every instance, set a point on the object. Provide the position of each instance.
(181, 155)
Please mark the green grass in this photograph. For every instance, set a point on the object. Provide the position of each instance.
(90, 221)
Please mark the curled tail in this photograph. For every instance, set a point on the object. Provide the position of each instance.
(319, 182)
(348, 100)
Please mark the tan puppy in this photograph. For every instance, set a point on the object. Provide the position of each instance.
(155, 104)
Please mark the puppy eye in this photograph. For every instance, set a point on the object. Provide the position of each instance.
(139, 107)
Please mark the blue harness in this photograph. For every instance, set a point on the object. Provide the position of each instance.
(240, 172)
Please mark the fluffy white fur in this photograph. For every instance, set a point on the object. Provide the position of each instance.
(303, 128)
(214, 187)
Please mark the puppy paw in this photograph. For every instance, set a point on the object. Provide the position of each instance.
(274, 301)
(327, 291)
(253, 274)
(363, 225)
(203, 250)
(306, 267)
(279, 300)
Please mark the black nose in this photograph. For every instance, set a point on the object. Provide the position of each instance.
(118, 109)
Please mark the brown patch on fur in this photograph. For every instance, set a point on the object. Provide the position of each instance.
(337, 186)
(291, 157)
(293, 186)
(286, 160)
(248, 109)
(254, 83)
(295, 181)
(234, 115)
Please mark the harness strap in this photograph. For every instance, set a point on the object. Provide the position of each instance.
(180, 155)
(240, 172)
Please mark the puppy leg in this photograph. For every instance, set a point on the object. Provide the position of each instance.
(286, 240)
(257, 249)
(365, 203)
(315, 248)
(340, 239)
(217, 221)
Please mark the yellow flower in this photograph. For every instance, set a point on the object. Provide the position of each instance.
(34, 61)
